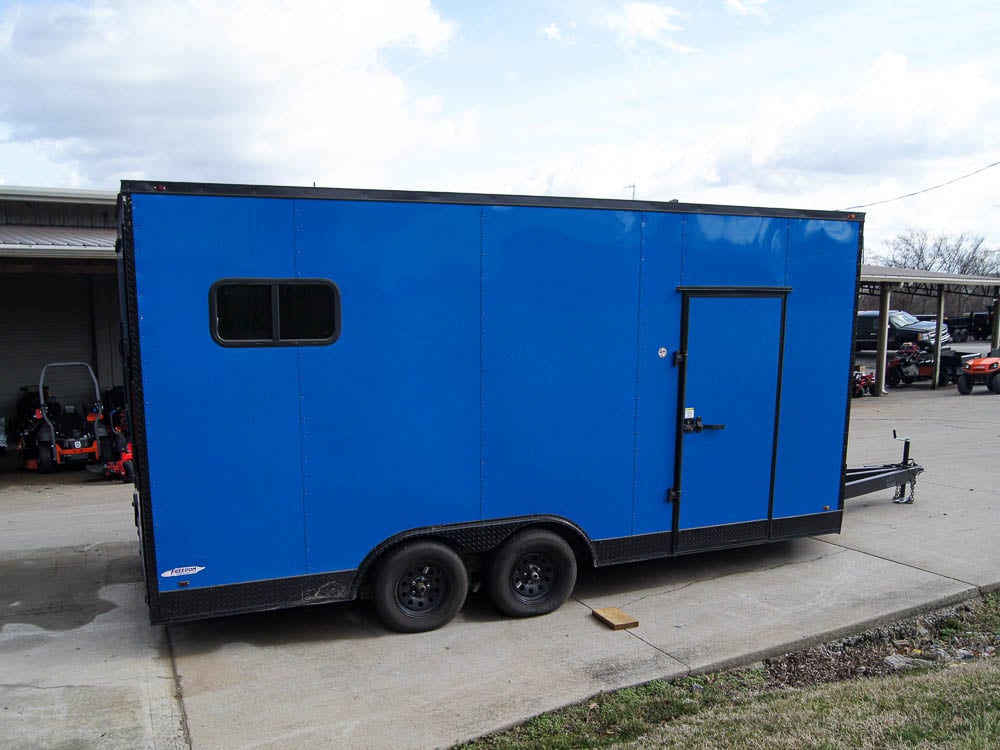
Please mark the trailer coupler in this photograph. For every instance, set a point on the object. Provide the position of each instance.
(862, 480)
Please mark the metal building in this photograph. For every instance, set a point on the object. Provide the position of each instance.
(58, 289)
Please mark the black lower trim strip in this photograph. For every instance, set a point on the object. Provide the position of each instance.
(256, 596)
(719, 537)
(816, 523)
(632, 548)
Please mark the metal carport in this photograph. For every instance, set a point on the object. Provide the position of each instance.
(882, 282)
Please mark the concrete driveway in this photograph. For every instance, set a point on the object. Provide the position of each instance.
(81, 667)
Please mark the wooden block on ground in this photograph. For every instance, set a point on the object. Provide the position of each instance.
(614, 618)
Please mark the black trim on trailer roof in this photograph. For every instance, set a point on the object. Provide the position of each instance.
(479, 199)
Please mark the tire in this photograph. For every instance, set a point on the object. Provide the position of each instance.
(46, 461)
(994, 383)
(943, 379)
(420, 587)
(532, 573)
(964, 385)
(129, 470)
(907, 380)
(892, 378)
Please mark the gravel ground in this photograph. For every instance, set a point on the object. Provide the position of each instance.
(936, 639)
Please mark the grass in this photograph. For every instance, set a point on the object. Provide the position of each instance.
(940, 707)
(949, 708)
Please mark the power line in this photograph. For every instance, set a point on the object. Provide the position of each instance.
(925, 190)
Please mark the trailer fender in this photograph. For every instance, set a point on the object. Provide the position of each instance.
(478, 538)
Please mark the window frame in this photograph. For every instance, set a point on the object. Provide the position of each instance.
(275, 284)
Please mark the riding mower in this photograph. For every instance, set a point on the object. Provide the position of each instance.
(51, 434)
(910, 364)
(981, 371)
(119, 463)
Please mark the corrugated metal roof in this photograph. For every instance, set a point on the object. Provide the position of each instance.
(912, 275)
(58, 195)
(56, 242)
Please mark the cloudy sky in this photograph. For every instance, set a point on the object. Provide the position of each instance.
(754, 102)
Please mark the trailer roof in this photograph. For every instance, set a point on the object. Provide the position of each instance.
(484, 199)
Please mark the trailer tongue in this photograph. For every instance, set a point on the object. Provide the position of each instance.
(863, 480)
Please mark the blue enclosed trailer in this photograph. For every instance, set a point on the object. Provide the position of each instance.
(336, 392)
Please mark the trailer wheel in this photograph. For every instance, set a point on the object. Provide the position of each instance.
(964, 385)
(532, 573)
(45, 459)
(995, 383)
(420, 587)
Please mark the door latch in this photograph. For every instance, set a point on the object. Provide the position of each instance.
(694, 424)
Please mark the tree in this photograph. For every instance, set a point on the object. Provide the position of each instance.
(961, 254)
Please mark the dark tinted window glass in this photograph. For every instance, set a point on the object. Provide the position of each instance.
(306, 311)
(244, 312)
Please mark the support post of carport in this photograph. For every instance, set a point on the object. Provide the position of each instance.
(883, 336)
(937, 336)
(995, 336)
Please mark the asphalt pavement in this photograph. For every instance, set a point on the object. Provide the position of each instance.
(80, 667)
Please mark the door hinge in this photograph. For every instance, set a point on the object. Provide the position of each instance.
(679, 358)
(673, 495)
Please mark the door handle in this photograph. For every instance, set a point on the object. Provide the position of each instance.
(696, 425)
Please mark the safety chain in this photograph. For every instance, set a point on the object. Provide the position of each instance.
(900, 497)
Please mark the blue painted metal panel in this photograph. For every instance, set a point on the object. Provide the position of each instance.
(822, 272)
(559, 352)
(660, 326)
(221, 423)
(734, 251)
(726, 474)
(390, 412)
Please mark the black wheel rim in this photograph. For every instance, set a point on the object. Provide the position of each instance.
(422, 589)
(533, 578)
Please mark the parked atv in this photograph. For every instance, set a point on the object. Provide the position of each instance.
(981, 371)
(909, 364)
(863, 383)
(52, 434)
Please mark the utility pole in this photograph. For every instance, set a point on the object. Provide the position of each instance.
(633, 190)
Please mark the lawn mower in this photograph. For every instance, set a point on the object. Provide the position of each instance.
(119, 463)
(51, 434)
(983, 370)
(910, 364)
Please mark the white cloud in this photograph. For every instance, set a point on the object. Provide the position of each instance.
(646, 22)
(747, 8)
(551, 32)
(287, 91)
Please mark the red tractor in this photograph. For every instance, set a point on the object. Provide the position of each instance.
(981, 371)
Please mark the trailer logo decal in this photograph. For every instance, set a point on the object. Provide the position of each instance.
(190, 570)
